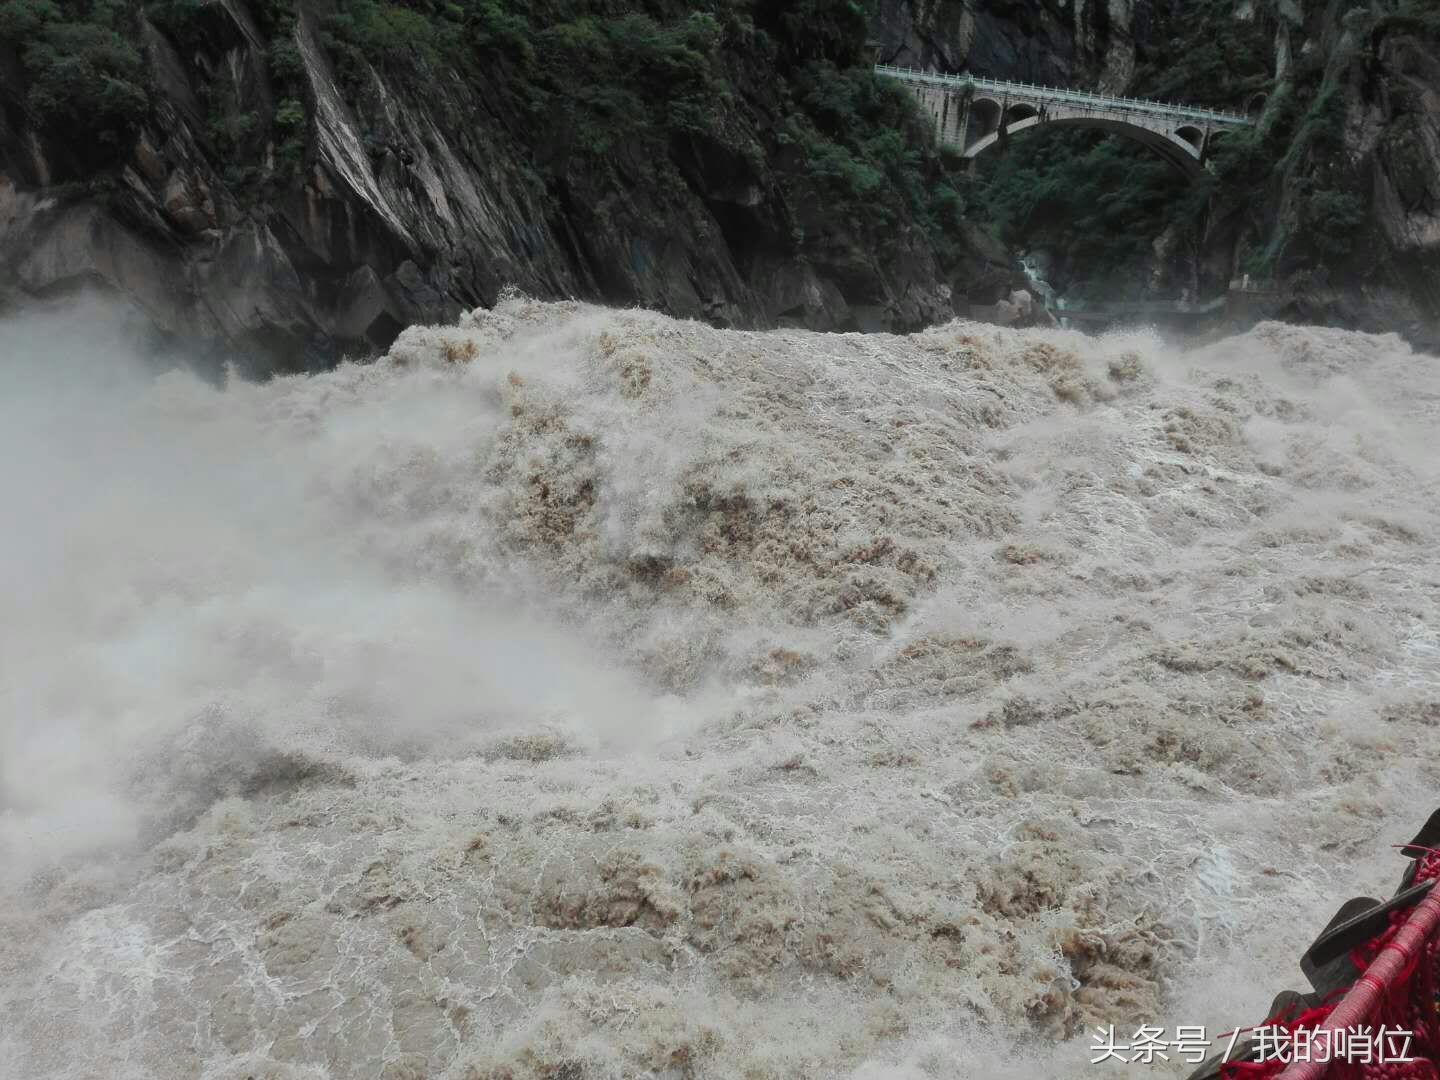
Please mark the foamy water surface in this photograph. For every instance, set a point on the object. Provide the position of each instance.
(585, 694)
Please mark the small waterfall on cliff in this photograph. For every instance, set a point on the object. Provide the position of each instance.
(1049, 299)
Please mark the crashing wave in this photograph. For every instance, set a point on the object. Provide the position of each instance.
(582, 693)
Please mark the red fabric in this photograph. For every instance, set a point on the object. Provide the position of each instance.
(1399, 994)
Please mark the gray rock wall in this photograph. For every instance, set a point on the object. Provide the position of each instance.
(414, 203)
(1088, 43)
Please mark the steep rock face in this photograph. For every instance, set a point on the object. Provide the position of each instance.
(1386, 79)
(333, 262)
(1341, 204)
(1345, 213)
(1052, 42)
(405, 202)
(410, 202)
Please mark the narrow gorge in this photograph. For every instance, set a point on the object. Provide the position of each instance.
(291, 181)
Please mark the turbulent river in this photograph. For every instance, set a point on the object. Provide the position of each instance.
(577, 694)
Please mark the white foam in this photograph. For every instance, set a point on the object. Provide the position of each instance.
(586, 693)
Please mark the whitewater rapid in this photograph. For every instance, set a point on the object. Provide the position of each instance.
(577, 693)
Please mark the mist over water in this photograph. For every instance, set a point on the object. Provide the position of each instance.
(580, 693)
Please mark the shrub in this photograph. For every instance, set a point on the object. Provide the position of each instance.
(489, 27)
(1100, 200)
(180, 19)
(23, 20)
(1207, 55)
(833, 30)
(289, 115)
(88, 78)
(83, 75)
(1331, 220)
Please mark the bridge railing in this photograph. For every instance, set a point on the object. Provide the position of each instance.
(1054, 93)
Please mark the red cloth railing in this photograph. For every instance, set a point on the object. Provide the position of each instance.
(1395, 990)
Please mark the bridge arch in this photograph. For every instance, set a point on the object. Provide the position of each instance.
(985, 116)
(1174, 147)
(1020, 110)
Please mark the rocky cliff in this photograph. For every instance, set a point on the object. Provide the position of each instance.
(1353, 225)
(1050, 42)
(310, 177)
(1334, 196)
(303, 180)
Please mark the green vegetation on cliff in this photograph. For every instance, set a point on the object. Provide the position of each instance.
(1286, 193)
(769, 94)
(599, 100)
(82, 67)
(1100, 201)
(354, 165)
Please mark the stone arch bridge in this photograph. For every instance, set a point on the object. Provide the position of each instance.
(975, 114)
